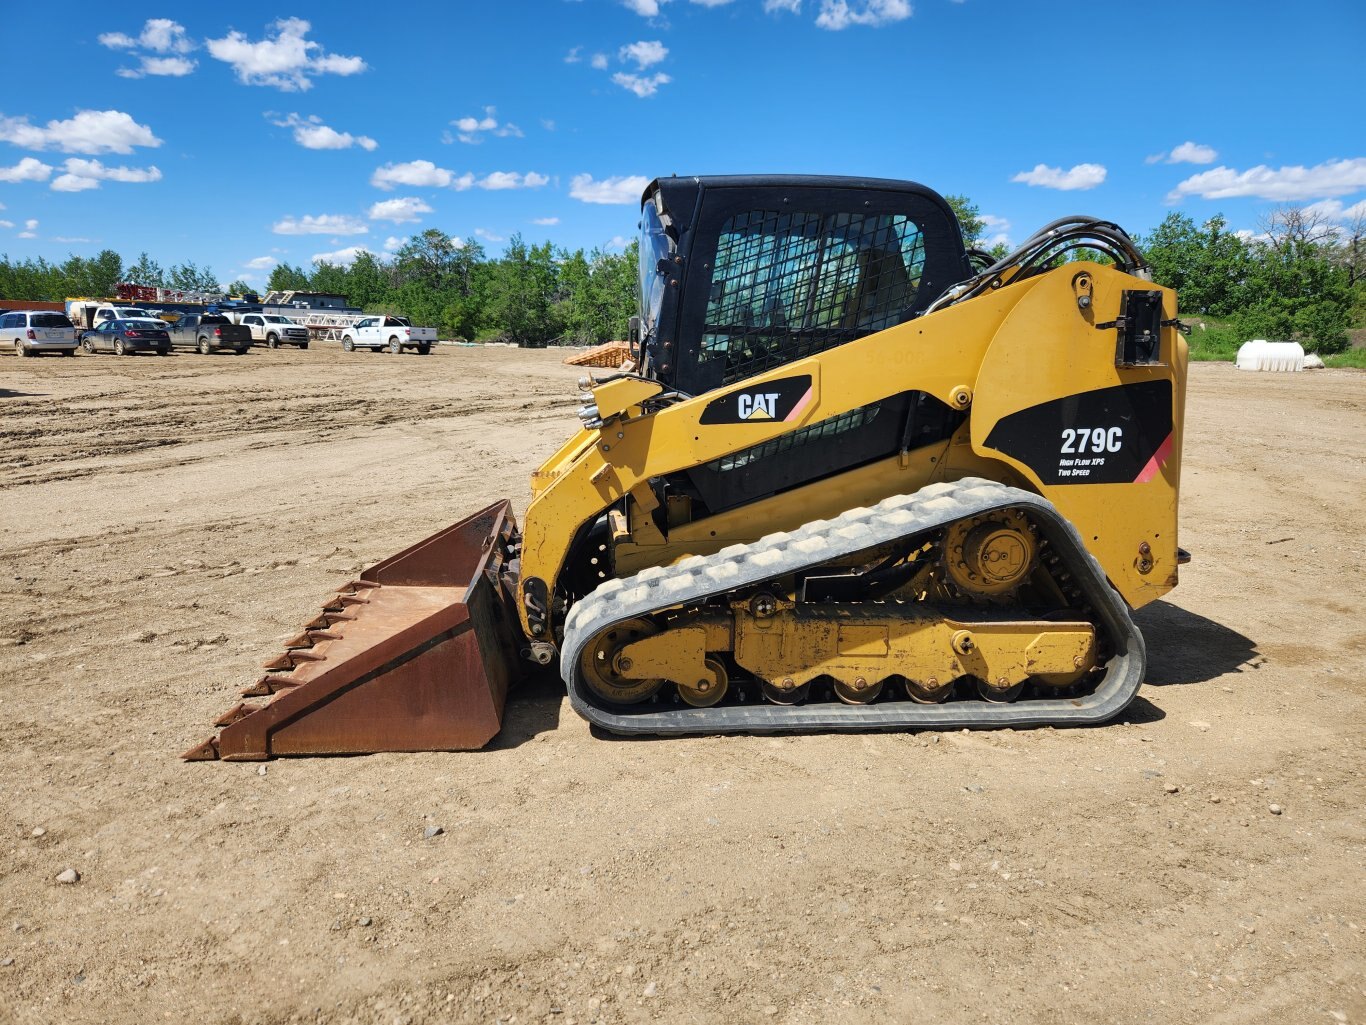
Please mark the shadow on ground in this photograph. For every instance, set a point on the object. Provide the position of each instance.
(532, 708)
(1187, 648)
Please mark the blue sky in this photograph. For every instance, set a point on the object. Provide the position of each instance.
(287, 131)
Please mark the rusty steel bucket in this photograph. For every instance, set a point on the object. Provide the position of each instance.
(416, 655)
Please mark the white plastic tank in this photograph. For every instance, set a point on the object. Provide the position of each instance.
(1259, 354)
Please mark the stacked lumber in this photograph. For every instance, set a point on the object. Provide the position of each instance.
(609, 356)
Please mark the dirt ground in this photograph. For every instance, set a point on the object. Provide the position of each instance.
(167, 522)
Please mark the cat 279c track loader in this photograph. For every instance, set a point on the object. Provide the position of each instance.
(860, 478)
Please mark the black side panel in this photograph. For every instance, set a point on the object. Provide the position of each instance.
(1107, 436)
(907, 421)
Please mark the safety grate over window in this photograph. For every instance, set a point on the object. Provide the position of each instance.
(788, 284)
(836, 425)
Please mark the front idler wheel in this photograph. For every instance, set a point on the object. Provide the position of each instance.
(602, 666)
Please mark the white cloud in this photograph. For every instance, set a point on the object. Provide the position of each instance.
(1193, 153)
(311, 133)
(6, 224)
(1283, 184)
(499, 180)
(416, 173)
(791, 6)
(642, 85)
(572, 57)
(836, 15)
(394, 242)
(261, 263)
(992, 221)
(711, 3)
(488, 236)
(599, 61)
(425, 174)
(286, 61)
(160, 36)
(645, 8)
(71, 238)
(340, 257)
(623, 190)
(1186, 153)
(545, 221)
(29, 169)
(547, 124)
(619, 242)
(90, 131)
(399, 211)
(323, 224)
(644, 53)
(87, 174)
(1082, 176)
(165, 67)
(30, 228)
(469, 128)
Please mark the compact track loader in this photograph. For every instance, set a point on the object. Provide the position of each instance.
(859, 477)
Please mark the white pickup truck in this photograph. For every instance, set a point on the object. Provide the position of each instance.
(392, 333)
(272, 329)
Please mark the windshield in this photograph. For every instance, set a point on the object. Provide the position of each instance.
(213, 319)
(144, 324)
(130, 313)
(655, 245)
(278, 320)
(49, 320)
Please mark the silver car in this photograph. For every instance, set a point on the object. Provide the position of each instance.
(32, 332)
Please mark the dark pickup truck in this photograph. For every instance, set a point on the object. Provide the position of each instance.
(208, 333)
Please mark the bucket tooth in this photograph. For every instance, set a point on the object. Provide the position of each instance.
(271, 683)
(311, 637)
(236, 713)
(205, 752)
(426, 649)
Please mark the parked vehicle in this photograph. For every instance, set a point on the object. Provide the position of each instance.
(88, 314)
(273, 329)
(128, 337)
(209, 332)
(31, 332)
(392, 333)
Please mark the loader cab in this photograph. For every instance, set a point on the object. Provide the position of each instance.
(740, 274)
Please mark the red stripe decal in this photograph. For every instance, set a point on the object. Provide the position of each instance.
(1158, 461)
(801, 404)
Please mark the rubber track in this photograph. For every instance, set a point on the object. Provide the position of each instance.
(746, 565)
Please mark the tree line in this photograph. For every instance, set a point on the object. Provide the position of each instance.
(1302, 277)
(531, 294)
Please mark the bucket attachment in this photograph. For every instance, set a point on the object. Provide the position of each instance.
(416, 655)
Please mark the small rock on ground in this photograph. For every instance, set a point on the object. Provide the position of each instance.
(432, 831)
(1172, 788)
(1275, 809)
(68, 875)
(39, 831)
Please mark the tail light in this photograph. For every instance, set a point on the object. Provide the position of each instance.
(130, 333)
(32, 335)
(218, 332)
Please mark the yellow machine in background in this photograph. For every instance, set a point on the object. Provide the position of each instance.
(860, 478)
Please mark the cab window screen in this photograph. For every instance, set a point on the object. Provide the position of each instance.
(788, 284)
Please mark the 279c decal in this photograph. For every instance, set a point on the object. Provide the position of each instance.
(1080, 440)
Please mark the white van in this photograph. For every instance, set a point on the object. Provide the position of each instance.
(31, 332)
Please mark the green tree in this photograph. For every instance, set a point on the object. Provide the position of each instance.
(239, 287)
(146, 271)
(285, 277)
(521, 293)
(969, 219)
